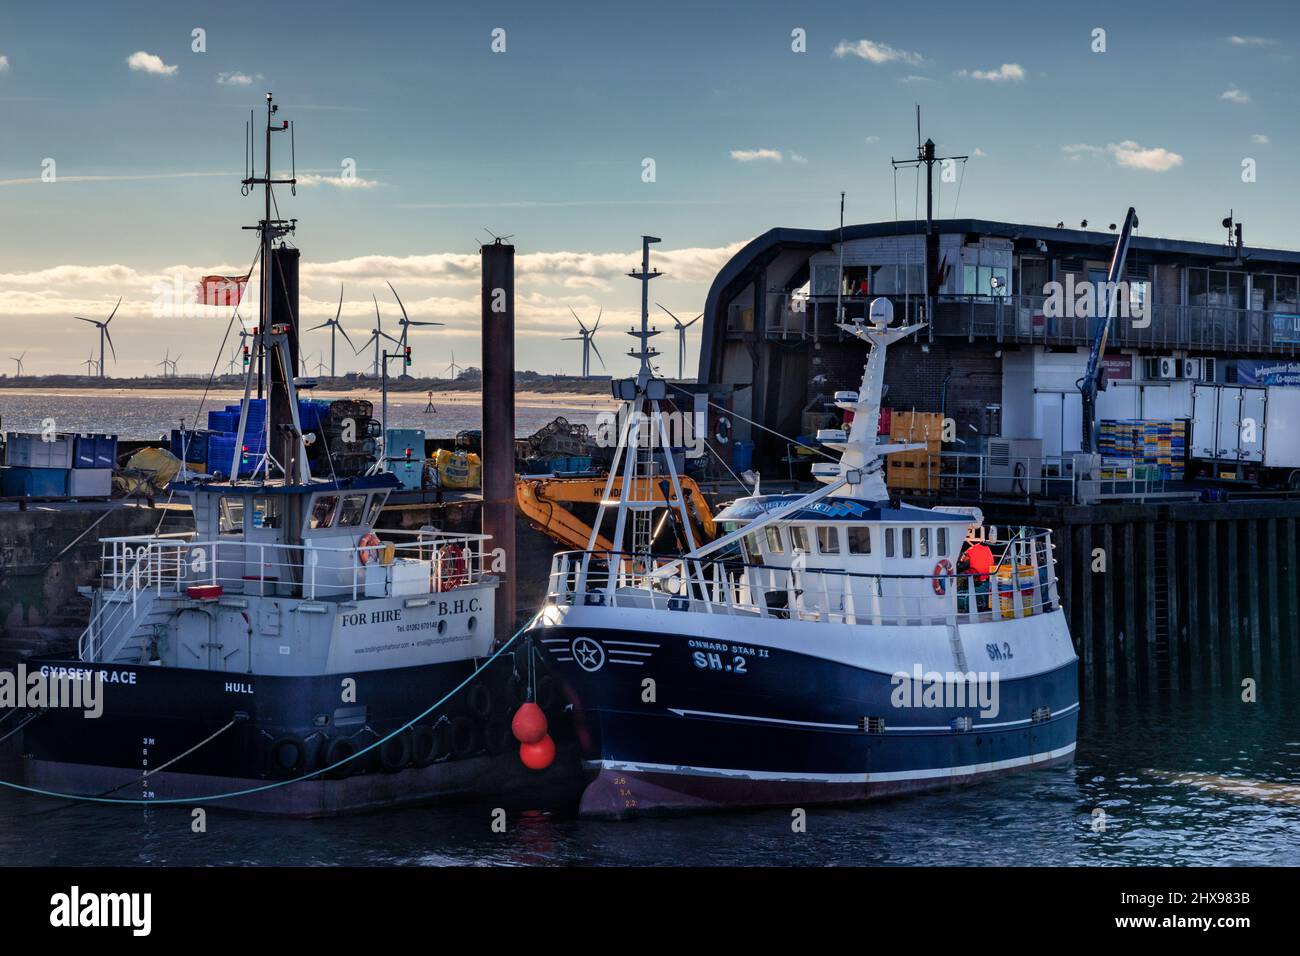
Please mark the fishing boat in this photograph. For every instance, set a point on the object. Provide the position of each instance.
(258, 659)
(827, 647)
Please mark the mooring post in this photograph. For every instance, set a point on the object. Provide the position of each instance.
(498, 308)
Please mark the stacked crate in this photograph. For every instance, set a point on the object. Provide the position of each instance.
(58, 466)
(915, 470)
(1157, 447)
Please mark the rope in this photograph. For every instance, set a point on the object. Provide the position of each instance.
(284, 783)
(733, 414)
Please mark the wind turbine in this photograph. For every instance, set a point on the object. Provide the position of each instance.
(335, 327)
(103, 334)
(375, 335)
(19, 360)
(587, 337)
(405, 321)
(681, 340)
(168, 362)
(453, 368)
(320, 364)
(175, 369)
(90, 364)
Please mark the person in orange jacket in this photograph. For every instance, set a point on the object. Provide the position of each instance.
(977, 559)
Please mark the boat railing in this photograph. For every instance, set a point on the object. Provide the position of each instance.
(169, 564)
(1022, 583)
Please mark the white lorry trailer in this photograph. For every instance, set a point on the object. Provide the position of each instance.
(1247, 433)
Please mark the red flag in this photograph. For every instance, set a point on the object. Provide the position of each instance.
(221, 290)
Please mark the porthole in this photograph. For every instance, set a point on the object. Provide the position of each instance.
(473, 623)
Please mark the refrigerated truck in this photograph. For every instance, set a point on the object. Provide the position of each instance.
(1247, 433)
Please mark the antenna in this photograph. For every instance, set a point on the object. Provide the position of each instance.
(646, 352)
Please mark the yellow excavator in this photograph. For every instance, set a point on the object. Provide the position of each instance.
(542, 501)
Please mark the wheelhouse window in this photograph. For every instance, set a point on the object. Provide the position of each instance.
(828, 539)
(907, 542)
(354, 507)
(925, 542)
(859, 539)
(376, 505)
(752, 547)
(889, 542)
(775, 540)
(941, 542)
(266, 512)
(323, 511)
(799, 538)
(230, 518)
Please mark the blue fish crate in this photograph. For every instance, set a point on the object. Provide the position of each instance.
(94, 451)
(19, 482)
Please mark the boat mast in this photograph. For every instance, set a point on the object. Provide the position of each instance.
(285, 431)
(644, 443)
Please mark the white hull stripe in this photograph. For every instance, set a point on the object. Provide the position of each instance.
(945, 728)
(937, 773)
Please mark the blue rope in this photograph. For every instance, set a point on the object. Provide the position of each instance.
(283, 783)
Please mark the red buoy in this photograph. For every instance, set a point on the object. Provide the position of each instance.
(529, 723)
(538, 756)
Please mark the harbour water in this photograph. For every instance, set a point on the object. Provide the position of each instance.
(1205, 781)
(147, 413)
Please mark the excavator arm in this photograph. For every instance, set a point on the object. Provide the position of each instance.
(542, 501)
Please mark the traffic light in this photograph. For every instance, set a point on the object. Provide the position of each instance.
(246, 356)
(408, 356)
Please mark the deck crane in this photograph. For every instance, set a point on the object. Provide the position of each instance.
(1094, 376)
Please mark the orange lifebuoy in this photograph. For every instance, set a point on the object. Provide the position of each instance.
(453, 569)
(367, 547)
(942, 571)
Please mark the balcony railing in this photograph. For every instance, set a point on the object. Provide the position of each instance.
(1021, 319)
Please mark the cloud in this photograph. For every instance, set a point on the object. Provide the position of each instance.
(877, 53)
(750, 155)
(1153, 159)
(1006, 73)
(4, 64)
(342, 182)
(236, 79)
(871, 140)
(150, 63)
(914, 78)
(979, 152)
(1234, 95)
(1260, 139)
(1250, 41)
(796, 158)
(115, 178)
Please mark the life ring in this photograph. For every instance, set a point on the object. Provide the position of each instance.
(288, 754)
(367, 547)
(453, 569)
(942, 572)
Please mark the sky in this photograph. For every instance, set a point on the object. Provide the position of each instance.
(415, 139)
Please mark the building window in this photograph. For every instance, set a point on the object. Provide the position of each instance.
(828, 539)
(859, 540)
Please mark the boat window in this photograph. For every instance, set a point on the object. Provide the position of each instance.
(925, 543)
(231, 518)
(828, 539)
(775, 540)
(322, 512)
(907, 542)
(799, 538)
(859, 539)
(941, 542)
(889, 542)
(753, 549)
(354, 506)
(266, 512)
(376, 505)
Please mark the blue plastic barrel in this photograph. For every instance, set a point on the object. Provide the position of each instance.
(742, 455)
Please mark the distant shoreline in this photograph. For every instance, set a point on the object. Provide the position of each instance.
(337, 387)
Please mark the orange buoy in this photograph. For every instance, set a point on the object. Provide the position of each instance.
(538, 756)
(529, 724)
